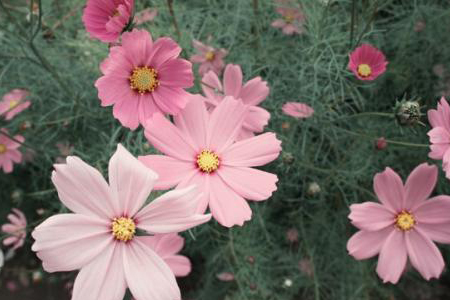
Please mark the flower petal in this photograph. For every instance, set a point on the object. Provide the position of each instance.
(392, 258)
(176, 73)
(232, 80)
(434, 211)
(419, 185)
(388, 186)
(365, 244)
(201, 180)
(210, 82)
(179, 264)
(438, 232)
(256, 119)
(371, 216)
(254, 91)
(137, 45)
(163, 50)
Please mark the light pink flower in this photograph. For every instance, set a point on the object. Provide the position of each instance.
(252, 93)
(167, 246)
(145, 15)
(209, 58)
(99, 237)
(367, 62)
(404, 225)
(106, 19)
(200, 149)
(293, 18)
(297, 110)
(142, 77)
(13, 103)
(8, 151)
(16, 230)
(440, 134)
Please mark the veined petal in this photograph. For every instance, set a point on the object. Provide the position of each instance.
(388, 186)
(393, 257)
(366, 244)
(371, 216)
(419, 185)
(436, 210)
(232, 80)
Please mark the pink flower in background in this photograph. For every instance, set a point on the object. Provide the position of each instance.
(65, 149)
(200, 149)
(209, 58)
(142, 77)
(293, 18)
(167, 246)
(404, 225)
(252, 93)
(297, 110)
(367, 62)
(13, 103)
(100, 236)
(16, 230)
(8, 151)
(106, 19)
(440, 134)
(145, 15)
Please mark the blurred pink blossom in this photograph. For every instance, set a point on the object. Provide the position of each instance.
(65, 149)
(16, 230)
(145, 15)
(293, 18)
(209, 58)
(13, 103)
(225, 276)
(298, 110)
(9, 152)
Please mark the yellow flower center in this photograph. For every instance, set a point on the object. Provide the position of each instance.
(289, 18)
(144, 79)
(116, 13)
(210, 55)
(364, 70)
(123, 229)
(13, 104)
(2, 149)
(405, 221)
(208, 161)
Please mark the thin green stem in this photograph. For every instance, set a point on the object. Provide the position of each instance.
(352, 23)
(174, 19)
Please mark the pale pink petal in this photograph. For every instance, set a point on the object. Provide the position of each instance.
(176, 73)
(388, 187)
(371, 216)
(127, 112)
(137, 45)
(163, 50)
(423, 254)
(254, 91)
(439, 135)
(201, 180)
(256, 119)
(290, 29)
(365, 244)
(103, 277)
(131, 182)
(197, 59)
(393, 257)
(438, 232)
(436, 210)
(438, 150)
(278, 23)
(435, 118)
(199, 46)
(419, 185)
(297, 110)
(180, 265)
(232, 80)
(211, 82)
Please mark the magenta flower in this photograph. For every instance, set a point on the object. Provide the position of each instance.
(293, 18)
(16, 230)
(8, 151)
(145, 15)
(209, 58)
(252, 93)
(440, 134)
(13, 103)
(297, 110)
(100, 236)
(200, 149)
(367, 62)
(106, 19)
(142, 77)
(167, 246)
(403, 226)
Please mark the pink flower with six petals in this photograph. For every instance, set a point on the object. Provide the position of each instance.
(367, 62)
(209, 58)
(293, 18)
(99, 237)
(8, 151)
(16, 229)
(200, 149)
(252, 93)
(440, 134)
(297, 110)
(13, 103)
(404, 225)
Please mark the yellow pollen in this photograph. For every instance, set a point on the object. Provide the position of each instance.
(364, 70)
(289, 18)
(123, 229)
(405, 221)
(116, 13)
(208, 161)
(13, 104)
(144, 80)
(2, 149)
(210, 55)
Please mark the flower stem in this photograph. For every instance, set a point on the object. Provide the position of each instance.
(174, 19)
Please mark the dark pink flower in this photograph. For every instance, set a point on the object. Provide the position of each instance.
(209, 58)
(367, 62)
(13, 103)
(297, 110)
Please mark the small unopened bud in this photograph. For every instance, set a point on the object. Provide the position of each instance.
(381, 143)
(292, 235)
(287, 283)
(225, 276)
(16, 195)
(419, 26)
(313, 189)
(286, 125)
(253, 286)
(40, 211)
(306, 267)
(251, 259)
(25, 125)
(288, 158)
(408, 112)
(37, 276)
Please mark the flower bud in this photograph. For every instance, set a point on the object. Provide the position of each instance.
(408, 112)
(381, 143)
(313, 189)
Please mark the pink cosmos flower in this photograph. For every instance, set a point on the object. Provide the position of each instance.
(100, 236)
(297, 110)
(209, 58)
(16, 229)
(167, 246)
(142, 77)
(252, 93)
(106, 19)
(293, 18)
(145, 15)
(200, 149)
(367, 62)
(8, 151)
(404, 225)
(440, 134)
(13, 103)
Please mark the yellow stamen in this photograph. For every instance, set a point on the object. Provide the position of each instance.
(13, 104)
(116, 13)
(405, 221)
(123, 229)
(364, 70)
(289, 18)
(208, 161)
(210, 55)
(3, 148)
(144, 80)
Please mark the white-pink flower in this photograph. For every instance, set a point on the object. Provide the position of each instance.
(9, 153)
(16, 230)
(13, 103)
(209, 58)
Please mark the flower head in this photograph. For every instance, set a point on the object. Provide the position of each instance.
(404, 225)
(145, 15)
(293, 18)
(106, 19)
(13, 103)
(16, 230)
(201, 149)
(440, 134)
(209, 58)
(100, 237)
(297, 110)
(142, 77)
(252, 93)
(367, 62)
(9, 152)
